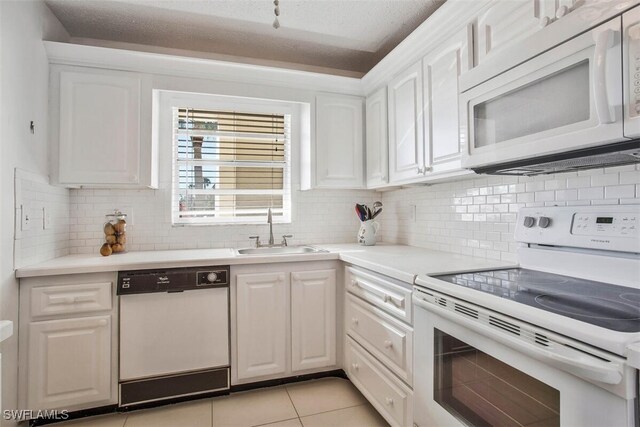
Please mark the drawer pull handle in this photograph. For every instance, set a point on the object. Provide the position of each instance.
(355, 320)
(388, 344)
(389, 401)
(354, 283)
(355, 366)
(102, 322)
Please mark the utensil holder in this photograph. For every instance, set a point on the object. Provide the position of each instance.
(367, 232)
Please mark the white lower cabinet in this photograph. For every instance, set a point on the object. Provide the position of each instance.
(390, 396)
(313, 319)
(261, 318)
(283, 321)
(378, 356)
(68, 342)
(69, 362)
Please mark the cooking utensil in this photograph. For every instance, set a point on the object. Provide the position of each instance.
(376, 213)
(361, 211)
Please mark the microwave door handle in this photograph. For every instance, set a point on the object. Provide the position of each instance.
(604, 41)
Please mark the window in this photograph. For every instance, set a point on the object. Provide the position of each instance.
(230, 166)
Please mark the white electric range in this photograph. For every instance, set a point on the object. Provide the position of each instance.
(553, 342)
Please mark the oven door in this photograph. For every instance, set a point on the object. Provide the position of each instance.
(462, 377)
(567, 98)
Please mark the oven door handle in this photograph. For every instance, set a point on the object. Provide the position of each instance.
(568, 359)
(604, 40)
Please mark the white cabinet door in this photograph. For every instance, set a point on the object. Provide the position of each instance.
(509, 22)
(99, 133)
(377, 139)
(406, 134)
(313, 319)
(69, 362)
(261, 322)
(441, 70)
(339, 141)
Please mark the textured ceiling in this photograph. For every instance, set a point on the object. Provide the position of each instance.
(348, 35)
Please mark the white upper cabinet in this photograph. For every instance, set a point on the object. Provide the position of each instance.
(104, 128)
(339, 143)
(441, 70)
(506, 23)
(377, 139)
(406, 133)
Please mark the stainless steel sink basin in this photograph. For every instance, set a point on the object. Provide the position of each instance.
(281, 250)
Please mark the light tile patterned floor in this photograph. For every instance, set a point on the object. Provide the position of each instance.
(328, 402)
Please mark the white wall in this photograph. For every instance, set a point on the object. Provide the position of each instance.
(477, 216)
(23, 97)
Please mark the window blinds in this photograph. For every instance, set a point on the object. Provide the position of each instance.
(230, 166)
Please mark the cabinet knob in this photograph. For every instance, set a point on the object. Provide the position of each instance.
(562, 11)
(102, 322)
(545, 21)
(354, 283)
(355, 366)
(355, 320)
(388, 344)
(426, 169)
(386, 298)
(296, 276)
(419, 170)
(389, 401)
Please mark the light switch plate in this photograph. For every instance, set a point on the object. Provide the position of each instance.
(46, 219)
(26, 218)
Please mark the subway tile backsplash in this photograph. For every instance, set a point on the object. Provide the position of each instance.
(477, 216)
(36, 197)
(318, 216)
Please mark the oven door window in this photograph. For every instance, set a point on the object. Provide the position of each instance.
(483, 391)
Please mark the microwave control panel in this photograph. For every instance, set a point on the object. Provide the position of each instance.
(634, 70)
(631, 71)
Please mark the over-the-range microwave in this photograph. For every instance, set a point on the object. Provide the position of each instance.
(572, 107)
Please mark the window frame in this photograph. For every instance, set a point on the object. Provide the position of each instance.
(163, 127)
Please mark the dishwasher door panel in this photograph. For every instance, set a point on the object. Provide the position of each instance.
(168, 333)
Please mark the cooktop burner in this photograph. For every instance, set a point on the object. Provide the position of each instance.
(601, 304)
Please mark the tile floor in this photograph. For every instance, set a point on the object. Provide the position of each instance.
(328, 402)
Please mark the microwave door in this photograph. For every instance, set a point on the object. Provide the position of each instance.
(562, 100)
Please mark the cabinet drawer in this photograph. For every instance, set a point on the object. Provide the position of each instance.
(392, 398)
(66, 299)
(392, 298)
(386, 338)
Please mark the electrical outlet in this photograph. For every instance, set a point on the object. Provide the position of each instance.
(26, 218)
(46, 219)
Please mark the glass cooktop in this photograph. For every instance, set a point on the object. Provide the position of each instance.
(601, 304)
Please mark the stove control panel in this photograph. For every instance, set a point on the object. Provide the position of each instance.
(615, 227)
(607, 225)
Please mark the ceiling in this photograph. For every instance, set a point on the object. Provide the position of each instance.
(343, 35)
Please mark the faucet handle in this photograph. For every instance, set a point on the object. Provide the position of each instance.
(285, 237)
(257, 240)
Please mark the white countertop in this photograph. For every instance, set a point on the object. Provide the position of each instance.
(401, 262)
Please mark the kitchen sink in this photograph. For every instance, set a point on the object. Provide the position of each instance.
(281, 250)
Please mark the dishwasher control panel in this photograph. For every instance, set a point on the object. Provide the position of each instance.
(172, 279)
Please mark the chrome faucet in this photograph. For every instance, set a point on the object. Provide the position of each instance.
(270, 222)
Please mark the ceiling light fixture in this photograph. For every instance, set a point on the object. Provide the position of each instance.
(276, 10)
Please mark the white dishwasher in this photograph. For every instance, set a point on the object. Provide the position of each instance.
(174, 333)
